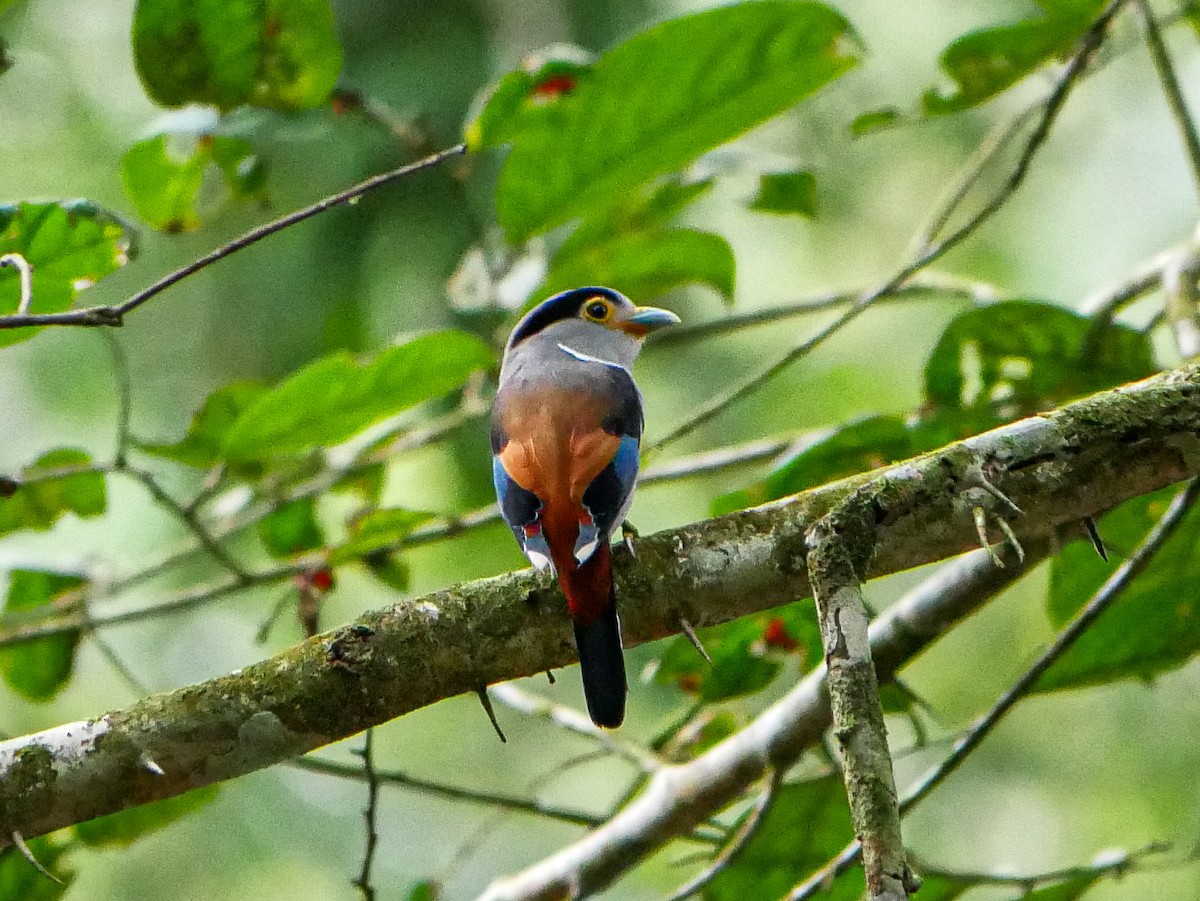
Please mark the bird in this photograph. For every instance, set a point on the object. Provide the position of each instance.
(566, 431)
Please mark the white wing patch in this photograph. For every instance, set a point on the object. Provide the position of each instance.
(588, 358)
(584, 554)
(540, 561)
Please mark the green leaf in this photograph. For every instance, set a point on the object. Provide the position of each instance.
(875, 120)
(279, 54)
(163, 175)
(983, 63)
(201, 446)
(786, 192)
(376, 531)
(1154, 626)
(746, 653)
(70, 245)
(366, 483)
(424, 891)
(390, 569)
(653, 104)
(121, 829)
(163, 188)
(1026, 356)
(640, 211)
(936, 887)
(38, 669)
(646, 264)
(19, 879)
(335, 397)
(292, 529)
(1191, 14)
(807, 823)
(39, 504)
(1082, 12)
(542, 78)
(1070, 890)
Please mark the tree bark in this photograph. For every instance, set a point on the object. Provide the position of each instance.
(1076, 462)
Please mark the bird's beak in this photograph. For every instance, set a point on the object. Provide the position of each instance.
(644, 320)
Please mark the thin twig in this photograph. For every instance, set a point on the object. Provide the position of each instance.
(119, 666)
(449, 792)
(939, 286)
(25, 274)
(737, 841)
(1182, 299)
(22, 628)
(1170, 85)
(572, 721)
(370, 815)
(114, 315)
(969, 174)
(1107, 863)
(1050, 110)
(190, 520)
(124, 399)
(981, 728)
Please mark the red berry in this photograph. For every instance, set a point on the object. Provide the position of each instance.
(775, 635)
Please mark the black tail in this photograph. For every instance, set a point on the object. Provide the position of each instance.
(603, 668)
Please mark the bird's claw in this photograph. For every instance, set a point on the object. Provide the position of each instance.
(628, 535)
(984, 497)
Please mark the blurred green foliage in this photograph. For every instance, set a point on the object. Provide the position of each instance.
(622, 155)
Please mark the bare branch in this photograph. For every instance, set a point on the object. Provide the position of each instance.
(931, 286)
(574, 721)
(841, 545)
(1107, 864)
(447, 792)
(370, 814)
(1077, 461)
(114, 315)
(190, 521)
(1079, 624)
(737, 841)
(1170, 85)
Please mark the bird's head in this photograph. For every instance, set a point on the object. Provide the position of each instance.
(593, 321)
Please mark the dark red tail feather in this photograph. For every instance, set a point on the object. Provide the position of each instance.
(590, 599)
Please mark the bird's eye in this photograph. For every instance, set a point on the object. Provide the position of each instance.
(597, 311)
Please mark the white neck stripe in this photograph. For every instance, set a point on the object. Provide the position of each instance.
(588, 358)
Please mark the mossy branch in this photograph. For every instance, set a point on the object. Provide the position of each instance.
(1076, 462)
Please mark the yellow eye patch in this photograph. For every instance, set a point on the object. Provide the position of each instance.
(597, 310)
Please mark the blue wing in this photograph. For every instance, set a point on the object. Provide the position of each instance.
(521, 509)
(608, 498)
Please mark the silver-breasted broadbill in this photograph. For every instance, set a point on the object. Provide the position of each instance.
(566, 429)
